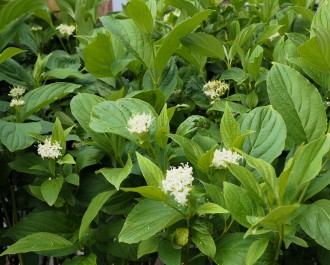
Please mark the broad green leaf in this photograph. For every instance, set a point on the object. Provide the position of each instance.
(163, 122)
(67, 159)
(99, 55)
(317, 185)
(141, 15)
(89, 260)
(43, 96)
(59, 73)
(10, 52)
(248, 180)
(169, 79)
(220, 105)
(210, 208)
(149, 245)
(191, 149)
(117, 175)
(275, 218)
(298, 102)
(183, 5)
(307, 163)
(60, 59)
(146, 219)
(240, 204)
(234, 73)
(265, 170)
(15, 74)
(205, 44)
(256, 250)
(93, 208)
(205, 243)
(229, 128)
(151, 172)
(15, 135)
(50, 189)
(47, 221)
(81, 107)
(103, 120)
(87, 157)
(155, 97)
(322, 17)
(315, 52)
(171, 41)
(16, 8)
(232, 249)
(269, 9)
(136, 42)
(168, 254)
(150, 192)
(316, 222)
(269, 133)
(37, 242)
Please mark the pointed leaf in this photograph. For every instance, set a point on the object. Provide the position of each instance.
(50, 189)
(141, 15)
(151, 173)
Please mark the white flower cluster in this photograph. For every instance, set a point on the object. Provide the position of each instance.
(139, 123)
(220, 157)
(16, 93)
(215, 89)
(179, 182)
(49, 149)
(66, 30)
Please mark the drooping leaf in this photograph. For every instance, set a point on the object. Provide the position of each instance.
(50, 189)
(146, 219)
(269, 133)
(210, 208)
(205, 243)
(150, 192)
(298, 102)
(9, 52)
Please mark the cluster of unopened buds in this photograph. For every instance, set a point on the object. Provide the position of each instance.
(215, 89)
(16, 93)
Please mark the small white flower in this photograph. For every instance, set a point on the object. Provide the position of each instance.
(49, 149)
(66, 30)
(177, 12)
(220, 157)
(17, 102)
(16, 91)
(139, 123)
(179, 182)
(274, 37)
(166, 17)
(215, 89)
(36, 28)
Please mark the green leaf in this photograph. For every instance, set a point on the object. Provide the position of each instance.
(151, 172)
(240, 204)
(15, 74)
(10, 52)
(17, 8)
(103, 120)
(298, 102)
(146, 219)
(81, 107)
(191, 149)
(36, 242)
(210, 208)
(149, 245)
(117, 175)
(183, 5)
(229, 128)
(47, 221)
(93, 208)
(15, 135)
(255, 60)
(269, 133)
(89, 260)
(220, 105)
(67, 159)
(256, 250)
(232, 249)
(205, 44)
(64, 73)
(135, 41)
(168, 254)
(150, 192)
(316, 221)
(205, 243)
(141, 15)
(307, 163)
(87, 157)
(99, 55)
(43, 96)
(171, 41)
(321, 17)
(169, 79)
(50, 189)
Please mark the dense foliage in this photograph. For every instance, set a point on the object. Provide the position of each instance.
(183, 131)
